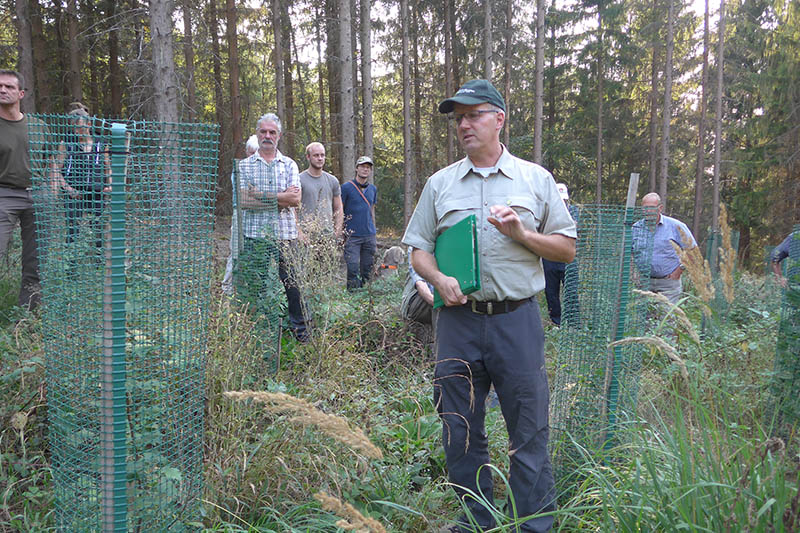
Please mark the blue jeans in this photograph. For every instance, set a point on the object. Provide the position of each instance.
(359, 254)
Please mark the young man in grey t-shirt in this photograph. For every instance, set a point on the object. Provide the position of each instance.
(321, 194)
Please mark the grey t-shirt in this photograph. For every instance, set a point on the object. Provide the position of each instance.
(317, 197)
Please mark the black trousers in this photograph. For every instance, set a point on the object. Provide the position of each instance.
(255, 279)
(475, 351)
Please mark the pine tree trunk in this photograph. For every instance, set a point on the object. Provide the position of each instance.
(333, 148)
(188, 55)
(75, 91)
(277, 61)
(114, 72)
(165, 85)
(233, 70)
(224, 193)
(667, 110)
(417, 125)
(321, 80)
(448, 74)
(598, 193)
(653, 182)
(366, 76)
(538, 107)
(487, 40)
(408, 159)
(289, 133)
(25, 49)
(701, 135)
(346, 88)
(718, 116)
(507, 70)
(40, 85)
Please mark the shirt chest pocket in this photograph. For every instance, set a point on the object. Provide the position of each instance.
(530, 211)
(452, 211)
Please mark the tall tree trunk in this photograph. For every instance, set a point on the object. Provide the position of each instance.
(280, 87)
(598, 193)
(507, 70)
(539, 96)
(366, 76)
(114, 72)
(334, 148)
(301, 83)
(289, 135)
(487, 40)
(417, 144)
(76, 93)
(408, 159)
(718, 117)
(224, 193)
(667, 111)
(551, 82)
(355, 31)
(41, 86)
(320, 79)
(346, 88)
(654, 115)
(701, 135)
(188, 55)
(25, 49)
(165, 83)
(231, 19)
(448, 74)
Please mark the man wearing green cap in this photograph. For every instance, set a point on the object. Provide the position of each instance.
(495, 335)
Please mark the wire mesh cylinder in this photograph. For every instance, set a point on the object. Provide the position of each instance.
(595, 387)
(124, 223)
(786, 380)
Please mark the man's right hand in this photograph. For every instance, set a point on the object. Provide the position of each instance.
(450, 291)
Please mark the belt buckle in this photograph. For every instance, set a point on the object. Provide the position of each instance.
(475, 308)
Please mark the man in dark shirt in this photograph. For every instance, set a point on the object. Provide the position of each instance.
(781, 252)
(16, 202)
(358, 200)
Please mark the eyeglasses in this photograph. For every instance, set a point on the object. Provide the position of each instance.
(471, 116)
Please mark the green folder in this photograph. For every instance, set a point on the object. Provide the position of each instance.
(457, 256)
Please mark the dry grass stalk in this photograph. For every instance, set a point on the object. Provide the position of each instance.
(662, 346)
(680, 316)
(697, 267)
(352, 519)
(335, 427)
(727, 255)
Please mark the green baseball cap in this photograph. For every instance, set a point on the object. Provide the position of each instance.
(472, 93)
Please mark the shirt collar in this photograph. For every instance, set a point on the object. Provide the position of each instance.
(504, 165)
(278, 157)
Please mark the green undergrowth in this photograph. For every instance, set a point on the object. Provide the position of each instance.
(702, 453)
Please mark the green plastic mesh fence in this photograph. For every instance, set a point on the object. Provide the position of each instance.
(718, 304)
(595, 387)
(786, 381)
(124, 221)
(259, 228)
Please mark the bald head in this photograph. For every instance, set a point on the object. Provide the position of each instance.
(652, 206)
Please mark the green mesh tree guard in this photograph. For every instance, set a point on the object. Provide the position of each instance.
(786, 380)
(124, 226)
(595, 387)
(256, 250)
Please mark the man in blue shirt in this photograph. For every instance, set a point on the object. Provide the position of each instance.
(781, 252)
(665, 268)
(358, 201)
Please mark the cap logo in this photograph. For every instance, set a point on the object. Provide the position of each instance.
(465, 91)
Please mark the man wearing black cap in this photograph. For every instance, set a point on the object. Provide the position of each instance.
(495, 336)
(358, 202)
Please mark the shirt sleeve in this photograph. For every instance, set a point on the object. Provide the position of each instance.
(336, 189)
(294, 177)
(558, 219)
(781, 251)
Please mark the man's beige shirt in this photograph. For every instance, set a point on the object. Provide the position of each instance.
(509, 271)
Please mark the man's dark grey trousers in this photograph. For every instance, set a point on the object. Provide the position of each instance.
(16, 205)
(507, 350)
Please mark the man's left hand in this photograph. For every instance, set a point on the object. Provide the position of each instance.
(506, 221)
(676, 274)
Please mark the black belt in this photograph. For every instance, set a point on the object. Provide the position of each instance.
(495, 308)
